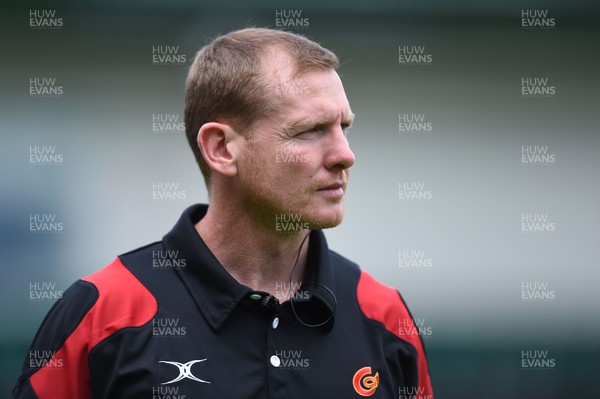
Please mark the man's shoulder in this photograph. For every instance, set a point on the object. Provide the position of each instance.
(123, 301)
(119, 276)
(374, 297)
(377, 301)
(90, 310)
(384, 305)
(117, 279)
(386, 313)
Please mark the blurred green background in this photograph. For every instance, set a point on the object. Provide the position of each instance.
(470, 229)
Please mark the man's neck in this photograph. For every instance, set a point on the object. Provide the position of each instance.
(255, 255)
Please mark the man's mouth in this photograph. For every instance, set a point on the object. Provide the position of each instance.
(333, 190)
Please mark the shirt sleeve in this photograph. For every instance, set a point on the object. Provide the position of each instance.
(385, 304)
(91, 310)
(56, 364)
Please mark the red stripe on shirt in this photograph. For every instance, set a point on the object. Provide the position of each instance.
(122, 302)
(383, 303)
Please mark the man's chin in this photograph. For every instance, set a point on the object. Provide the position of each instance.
(324, 225)
(309, 217)
(326, 221)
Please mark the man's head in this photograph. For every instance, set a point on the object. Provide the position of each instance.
(265, 115)
(227, 81)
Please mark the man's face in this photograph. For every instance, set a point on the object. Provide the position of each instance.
(294, 167)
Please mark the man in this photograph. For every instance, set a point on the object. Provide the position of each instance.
(242, 299)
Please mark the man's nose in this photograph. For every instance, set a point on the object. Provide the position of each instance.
(339, 154)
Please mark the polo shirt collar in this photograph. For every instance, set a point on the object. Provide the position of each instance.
(216, 292)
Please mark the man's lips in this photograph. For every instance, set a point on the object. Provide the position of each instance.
(333, 190)
(333, 186)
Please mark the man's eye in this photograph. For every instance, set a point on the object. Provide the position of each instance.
(314, 129)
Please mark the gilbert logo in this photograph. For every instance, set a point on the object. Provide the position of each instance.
(364, 382)
(185, 371)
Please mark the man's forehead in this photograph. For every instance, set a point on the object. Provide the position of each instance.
(316, 95)
(279, 66)
(316, 91)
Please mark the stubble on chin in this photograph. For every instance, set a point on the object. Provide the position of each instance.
(327, 221)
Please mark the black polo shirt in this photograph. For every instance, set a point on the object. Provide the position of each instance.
(168, 321)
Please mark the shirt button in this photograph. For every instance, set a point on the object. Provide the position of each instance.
(275, 361)
(275, 322)
(255, 297)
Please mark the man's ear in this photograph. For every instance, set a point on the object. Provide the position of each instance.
(218, 143)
